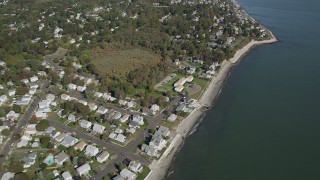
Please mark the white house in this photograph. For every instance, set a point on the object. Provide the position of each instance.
(155, 108)
(91, 150)
(81, 88)
(72, 86)
(138, 119)
(102, 110)
(120, 138)
(85, 124)
(34, 79)
(84, 169)
(98, 94)
(172, 118)
(65, 97)
(92, 106)
(135, 167)
(103, 157)
(66, 175)
(3, 99)
(69, 141)
(98, 128)
(124, 118)
(11, 92)
(12, 116)
(72, 118)
(128, 175)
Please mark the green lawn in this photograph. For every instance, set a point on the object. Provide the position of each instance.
(202, 83)
(144, 173)
(110, 60)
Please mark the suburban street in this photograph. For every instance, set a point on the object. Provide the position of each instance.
(21, 124)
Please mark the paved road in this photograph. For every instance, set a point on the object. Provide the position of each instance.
(153, 123)
(108, 145)
(21, 124)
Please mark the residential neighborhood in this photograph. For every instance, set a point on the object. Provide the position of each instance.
(65, 115)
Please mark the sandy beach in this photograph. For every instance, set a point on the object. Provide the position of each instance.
(159, 168)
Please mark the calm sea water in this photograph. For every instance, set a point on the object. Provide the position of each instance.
(266, 122)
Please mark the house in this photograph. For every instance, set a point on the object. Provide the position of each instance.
(66, 175)
(80, 146)
(98, 94)
(179, 88)
(22, 143)
(29, 160)
(34, 79)
(60, 137)
(158, 142)
(147, 111)
(123, 102)
(131, 130)
(31, 129)
(32, 90)
(131, 104)
(112, 136)
(189, 79)
(103, 157)
(154, 108)
(163, 131)
(180, 82)
(120, 138)
(7, 176)
(150, 151)
(56, 173)
(91, 150)
(69, 141)
(92, 106)
(44, 104)
(84, 169)
(181, 107)
(128, 175)
(172, 118)
(81, 88)
(83, 102)
(135, 167)
(191, 70)
(54, 134)
(72, 86)
(85, 124)
(41, 114)
(124, 118)
(11, 92)
(26, 81)
(50, 97)
(117, 115)
(3, 99)
(102, 110)
(138, 119)
(12, 116)
(72, 118)
(61, 158)
(65, 97)
(98, 128)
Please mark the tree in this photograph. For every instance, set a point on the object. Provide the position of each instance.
(43, 166)
(45, 141)
(15, 167)
(5, 132)
(21, 90)
(42, 125)
(16, 108)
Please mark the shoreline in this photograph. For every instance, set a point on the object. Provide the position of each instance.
(159, 168)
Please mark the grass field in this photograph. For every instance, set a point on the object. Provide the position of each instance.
(110, 61)
(202, 83)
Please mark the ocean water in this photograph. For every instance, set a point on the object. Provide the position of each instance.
(265, 124)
